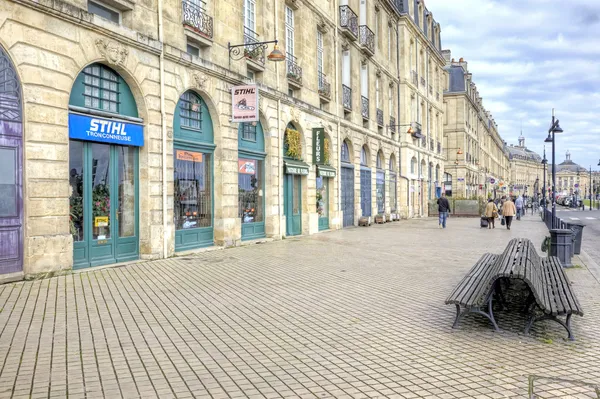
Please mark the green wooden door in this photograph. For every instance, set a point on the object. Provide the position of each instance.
(293, 204)
(104, 203)
(323, 202)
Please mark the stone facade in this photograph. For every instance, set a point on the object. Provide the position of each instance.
(477, 164)
(161, 53)
(571, 178)
(526, 170)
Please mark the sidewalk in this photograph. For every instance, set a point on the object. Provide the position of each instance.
(357, 313)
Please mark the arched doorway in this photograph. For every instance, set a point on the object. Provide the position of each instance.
(380, 183)
(193, 142)
(251, 180)
(347, 181)
(295, 168)
(11, 167)
(365, 182)
(103, 168)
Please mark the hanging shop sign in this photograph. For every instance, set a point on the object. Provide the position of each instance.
(492, 180)
(244, 103)
(183, 155)
(326, 171)
(104, 130)
(247, 166)
(318, 146)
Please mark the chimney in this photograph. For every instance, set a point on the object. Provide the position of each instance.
(463, 64)
(447, 54)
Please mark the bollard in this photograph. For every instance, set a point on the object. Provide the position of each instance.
(561, 243)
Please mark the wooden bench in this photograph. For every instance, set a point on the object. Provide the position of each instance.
(549, 288)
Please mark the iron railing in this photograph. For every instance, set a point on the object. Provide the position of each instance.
(379, 117)
(294, 71)
(349, 20)
(423, 81)
(392, 124)
(195, 16)
(324, 86)
(347, 97)
(424, 141)
(367, 39)
(364, 109)
(253, 51)
(415, 77)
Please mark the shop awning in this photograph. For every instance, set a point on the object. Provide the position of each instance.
(326, 171)
(293, 167)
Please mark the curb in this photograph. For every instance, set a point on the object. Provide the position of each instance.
(591, 265)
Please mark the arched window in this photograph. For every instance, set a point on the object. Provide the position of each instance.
(437, 172)
(345, 152)
(430, 172)
(392, 163)
(190, 110)
(379, 163)
(363, 157)
(413, 165)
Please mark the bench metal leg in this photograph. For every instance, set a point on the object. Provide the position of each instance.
(566, 324)
(489, 314)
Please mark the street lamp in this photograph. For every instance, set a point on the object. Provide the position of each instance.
(236, 53)
(554, 128)
(544, 163)
(574, 204)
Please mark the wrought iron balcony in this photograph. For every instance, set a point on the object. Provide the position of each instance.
(364, 109)
(195, 16)
(324, 86)
(349, 22)
(423, 82)
(347, 98)
(367, 39)
(253, 51)
(392, 124)
(424, 141)
(439, 147)
(379, 117)
(294, 71)
(414, 77)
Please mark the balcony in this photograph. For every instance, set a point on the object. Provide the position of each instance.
(392, 124)
(414, 77)
(379, 117)
(294, 71)
(254, 52)
(430, 90)
(431, 145)
(347, 98)
(364, 109)
(324, 87)
(367, 40)
(424, 141)
(439, 147)
(198, 22)
(423, 81)
(349, 22)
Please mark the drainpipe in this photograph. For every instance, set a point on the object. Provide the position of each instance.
(163, 118)
(399, 121)
(279, 133)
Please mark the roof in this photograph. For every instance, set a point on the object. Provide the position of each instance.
(569, 166)
(516, 152)
(457, 79)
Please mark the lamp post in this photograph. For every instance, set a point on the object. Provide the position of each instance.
(544, 163)
(236, 53)
(554, 128)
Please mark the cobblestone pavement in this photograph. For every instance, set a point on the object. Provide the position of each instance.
(357, 313)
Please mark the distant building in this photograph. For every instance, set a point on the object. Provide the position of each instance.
(526, 170)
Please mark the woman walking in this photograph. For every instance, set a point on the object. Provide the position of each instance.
(491, 213)
(509, 210)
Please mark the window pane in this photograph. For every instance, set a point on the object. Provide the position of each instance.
(8, 181)
(193, 206)
(380, 192)
(296, 195)
(76, 183)
(103, 12)
(322, 197)
(250, 197)
(126, 210)
(101, 191)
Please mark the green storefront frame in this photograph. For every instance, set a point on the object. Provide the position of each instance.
(90, 252)
(327, 173)
(255, 230)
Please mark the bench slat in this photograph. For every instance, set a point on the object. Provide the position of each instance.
(563, 285)
(469, 289)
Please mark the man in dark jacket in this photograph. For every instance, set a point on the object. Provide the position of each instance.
(443, 209)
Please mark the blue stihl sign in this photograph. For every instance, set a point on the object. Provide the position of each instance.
(93, 128)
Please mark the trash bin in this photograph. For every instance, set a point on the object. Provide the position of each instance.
(577, 228)
(561, 241)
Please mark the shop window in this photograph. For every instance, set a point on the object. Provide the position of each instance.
(193, 203)
(322, 197)
(250, 199)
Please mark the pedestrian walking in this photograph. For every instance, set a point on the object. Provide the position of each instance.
(519, 203)
(491, 212)
(443, 210)
(508, 211)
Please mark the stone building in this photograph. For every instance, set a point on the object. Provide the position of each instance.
(477, 165)
(526, 170)
(571, 178)
(117, 137)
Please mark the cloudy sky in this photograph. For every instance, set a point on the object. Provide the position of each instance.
(527, 57)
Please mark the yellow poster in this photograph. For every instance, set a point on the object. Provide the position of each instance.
(101, 221)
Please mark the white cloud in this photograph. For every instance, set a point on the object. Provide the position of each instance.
(528, 57)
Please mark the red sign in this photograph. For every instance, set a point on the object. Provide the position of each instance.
(244, 103)
(247, 166)
(189, 156)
